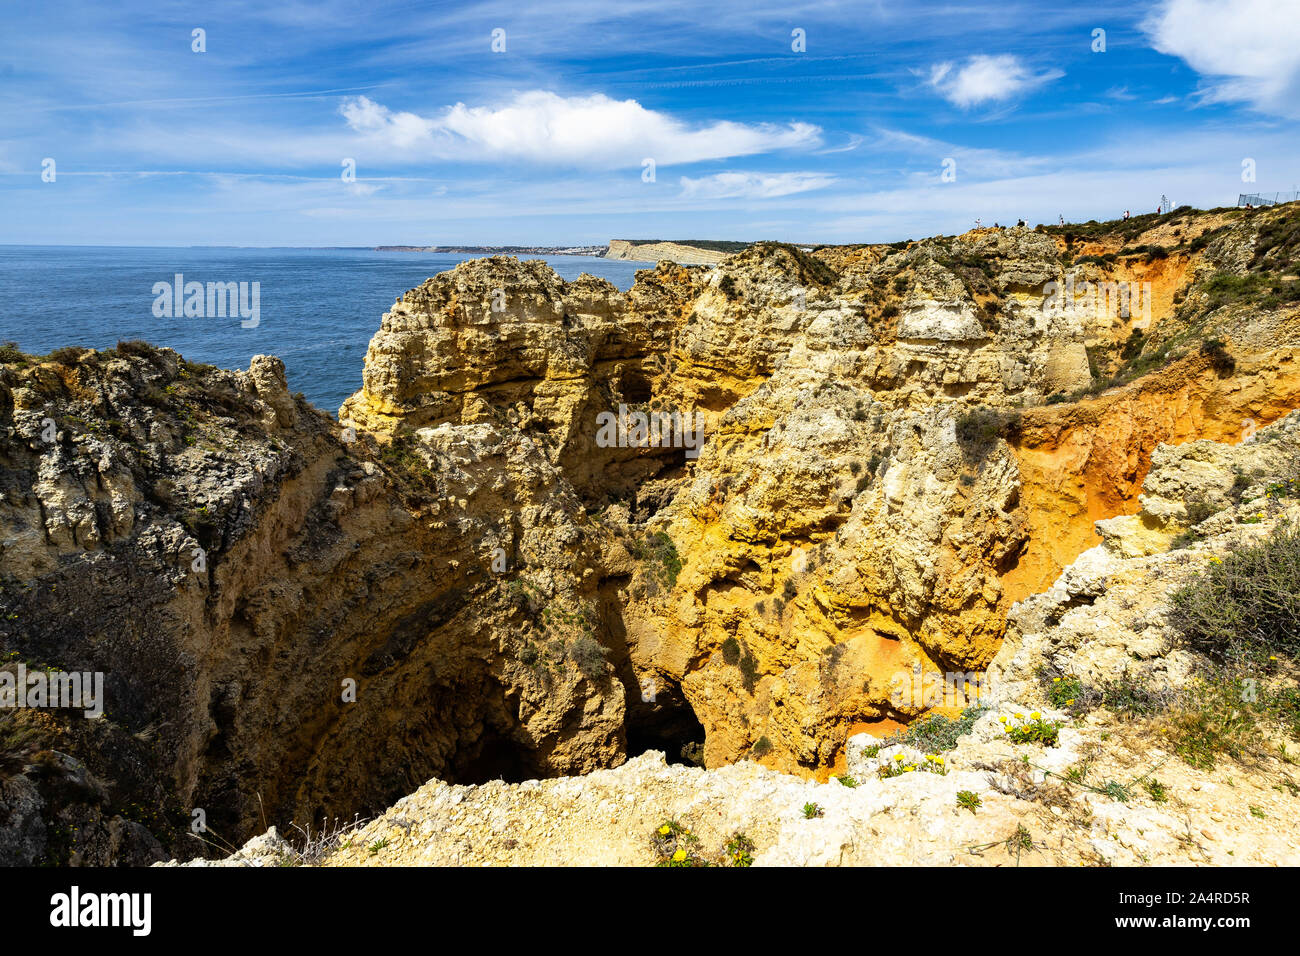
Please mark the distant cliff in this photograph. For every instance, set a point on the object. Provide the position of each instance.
(685, 253)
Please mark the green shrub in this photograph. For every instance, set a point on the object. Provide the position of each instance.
(936, 733)
(1064, 691)
(979, 429)
(1157, 790)
(731, 651)
(69, 356)
(1226, 288)
(1222, 363)
(411, 473)
(739, 850)
(1245, 605)
(136, 347)
(588, 655)
(1033, 730)
(660, 554)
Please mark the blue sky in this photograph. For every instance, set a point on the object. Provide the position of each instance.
(544, 143)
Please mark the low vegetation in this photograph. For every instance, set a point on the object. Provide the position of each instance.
(1032, 729)
(1246, 605)
(979, 429)
(675, 846)
(935, 733)
(658, 554)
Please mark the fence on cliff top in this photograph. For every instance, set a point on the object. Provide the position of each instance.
(1266, 199)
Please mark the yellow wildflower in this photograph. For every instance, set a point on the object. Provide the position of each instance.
(1035, 715)
(898, 757)
(679, 856)
(1002, 720)
(665, 830)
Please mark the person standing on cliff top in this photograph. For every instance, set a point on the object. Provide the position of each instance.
(1126, 214)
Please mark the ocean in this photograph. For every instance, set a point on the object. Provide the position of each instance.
(318, 308)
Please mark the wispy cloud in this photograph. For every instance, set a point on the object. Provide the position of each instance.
(985, 79)
(544, 127)
(753, 185)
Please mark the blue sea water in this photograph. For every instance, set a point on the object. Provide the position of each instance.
(319, 307)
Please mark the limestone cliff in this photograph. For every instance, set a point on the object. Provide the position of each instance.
(895, 444)
(655, 251)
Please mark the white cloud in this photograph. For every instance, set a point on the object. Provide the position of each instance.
(752, 185)
(1250, 47)
(545, 128)
(983, 79)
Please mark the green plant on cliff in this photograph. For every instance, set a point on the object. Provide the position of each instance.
(675, 846)
(1231, 711)
(979, 429)
(1245, 605)
(589, 656)
(1222, 363)
(18, 740)
(1032, 729)
(731, 651)
(935, 733)
(408, 468)
(739, 850)
(658, 552)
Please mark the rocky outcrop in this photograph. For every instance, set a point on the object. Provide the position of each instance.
(291, 625)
